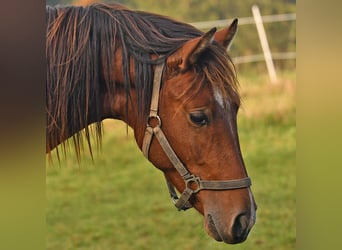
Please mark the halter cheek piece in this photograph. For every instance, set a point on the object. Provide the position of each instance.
(193, 184)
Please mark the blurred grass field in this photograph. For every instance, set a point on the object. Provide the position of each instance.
(120, 201)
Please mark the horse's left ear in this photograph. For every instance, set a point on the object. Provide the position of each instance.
(225, 36)
(190, 52)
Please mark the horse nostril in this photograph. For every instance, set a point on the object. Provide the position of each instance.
(240, 227)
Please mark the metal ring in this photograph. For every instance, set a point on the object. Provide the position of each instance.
(197, 181)
(151, 117)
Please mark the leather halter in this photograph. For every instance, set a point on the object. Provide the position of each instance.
(193, 184)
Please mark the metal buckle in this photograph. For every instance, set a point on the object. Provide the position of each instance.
(191, 180)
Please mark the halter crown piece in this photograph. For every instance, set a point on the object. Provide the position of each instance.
(193, 184)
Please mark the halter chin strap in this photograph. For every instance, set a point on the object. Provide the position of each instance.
(193, 184)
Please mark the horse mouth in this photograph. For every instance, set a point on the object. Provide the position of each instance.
(221, 235)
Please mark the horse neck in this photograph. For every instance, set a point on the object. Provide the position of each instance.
(116, 107)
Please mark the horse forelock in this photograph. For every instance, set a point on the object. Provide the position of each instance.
(216, 69)
(220, 72)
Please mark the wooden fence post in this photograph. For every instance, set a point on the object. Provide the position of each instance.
(264, 44)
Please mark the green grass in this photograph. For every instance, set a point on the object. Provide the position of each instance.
(120, 201)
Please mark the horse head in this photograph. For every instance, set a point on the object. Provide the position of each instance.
(197, 112)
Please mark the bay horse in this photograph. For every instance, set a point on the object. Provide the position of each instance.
(173, 84)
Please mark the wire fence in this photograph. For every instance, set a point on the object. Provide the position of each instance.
(245, 20)
(261, 57)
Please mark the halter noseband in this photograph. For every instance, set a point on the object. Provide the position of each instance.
(193, 184)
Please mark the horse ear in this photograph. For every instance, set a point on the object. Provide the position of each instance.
(190, 52)
(225, 36)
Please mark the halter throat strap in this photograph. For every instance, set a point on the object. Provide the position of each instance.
(193, 184)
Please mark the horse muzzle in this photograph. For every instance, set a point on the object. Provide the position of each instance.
(234, 233)
(231, 225)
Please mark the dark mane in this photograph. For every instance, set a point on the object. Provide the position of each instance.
(82, 40)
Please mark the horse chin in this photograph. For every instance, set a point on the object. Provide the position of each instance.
(214, 231)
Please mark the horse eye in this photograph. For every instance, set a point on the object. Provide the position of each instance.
(199, 118)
